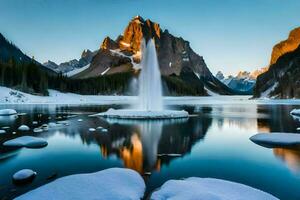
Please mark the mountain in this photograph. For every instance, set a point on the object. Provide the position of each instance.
(8, 50)
(67, 67)
(177, 61)
(282, 80)
(286, 46)
(244, 81)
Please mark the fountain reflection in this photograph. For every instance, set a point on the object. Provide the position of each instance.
(145, 145)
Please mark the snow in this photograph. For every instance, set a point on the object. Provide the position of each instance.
(34, 123)
(268, 91)
(24, 175)
(2, 131)
(170, 64)
(208, 189)
(26, 141)
(295, 112)
(23, 128)
(92, 129)
(77, 71)
(104, 72)
(141, 114)
(276, 139)
(138, 54)
(6, 112)
(7, 96)
(210, 93)
(113, 183)
(185, 59)
(125, 44)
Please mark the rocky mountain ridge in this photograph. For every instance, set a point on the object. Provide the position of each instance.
(175, 56)
(65, 67)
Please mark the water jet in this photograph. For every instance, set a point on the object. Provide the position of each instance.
(150, 101)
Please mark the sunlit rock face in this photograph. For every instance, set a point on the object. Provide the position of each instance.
(286, 46)
(283, 47)
(282, 80)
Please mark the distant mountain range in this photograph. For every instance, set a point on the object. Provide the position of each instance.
(282, 79)
(244, 81)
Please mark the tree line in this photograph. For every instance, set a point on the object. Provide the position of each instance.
(34, 79)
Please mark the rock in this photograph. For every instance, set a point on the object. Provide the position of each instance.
(26, 141)
(23, 128)
(2, 131)
(282, 79)
(276, 139)
(92, 129)
(7, 112)
(208, 189)
(114, 183)
(24, 176)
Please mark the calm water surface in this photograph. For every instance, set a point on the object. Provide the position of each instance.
(213, 142)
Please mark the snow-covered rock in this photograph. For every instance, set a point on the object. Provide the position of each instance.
(114, 183)
(295, 112)
(92, 129)
(141, 114)
(2, 131)
(208, 189)
(23, 128)
(34, 123)
(276, 139)
(26, 141)
(6, 112)
(37, 130)
(24, 175)
(79, 120)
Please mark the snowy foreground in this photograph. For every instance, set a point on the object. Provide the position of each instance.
(114, 183)
(10, 96)
(119, 184)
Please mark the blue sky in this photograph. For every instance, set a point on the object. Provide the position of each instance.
(231, 35)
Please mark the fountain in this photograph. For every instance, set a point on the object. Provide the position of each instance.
(150, 103)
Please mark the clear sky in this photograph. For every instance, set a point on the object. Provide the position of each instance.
(231, 35)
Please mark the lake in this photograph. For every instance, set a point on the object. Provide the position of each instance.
(212, 142)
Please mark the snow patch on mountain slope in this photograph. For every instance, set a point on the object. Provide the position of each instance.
(77, 71)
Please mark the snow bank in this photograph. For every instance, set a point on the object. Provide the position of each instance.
(208, 189)
(6, 112)
(276, 139)
(114, 183)
(77, 71)
(24, 175)
(26, 141)
(295, 112)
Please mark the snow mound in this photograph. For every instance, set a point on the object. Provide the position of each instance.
(23, 128)
(26, 141)
(208, 189)
(141, 114)
(114, 183)
(6, 112)
(276, 139)
(2, 131)
(24, 175)
(295, 112)
(37, 130)
(92, 129)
